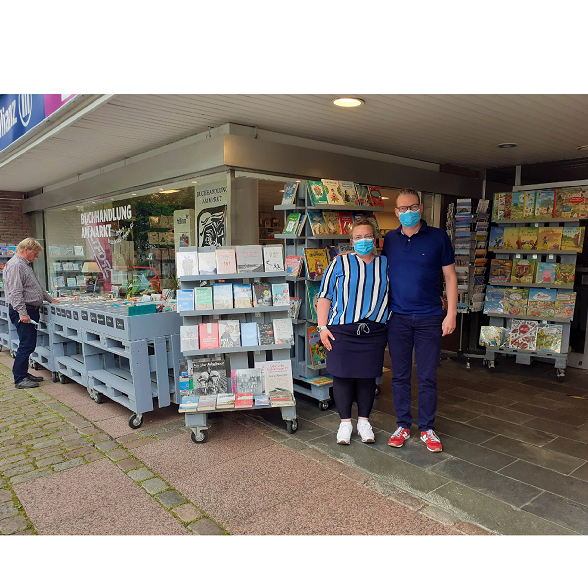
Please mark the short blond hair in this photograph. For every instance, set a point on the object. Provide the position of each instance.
(29, 243)
(362, 222)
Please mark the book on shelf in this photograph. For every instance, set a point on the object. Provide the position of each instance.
(544, 203)
(332, 252)
(319, 380)
(494, 300)
(249, 334)
(243, 400)
(246, 381)
(294, 308)
(273, 258)
(349, 193)
(292, 223)
(226, 262)
(208, 333)
(565, 303)
(229, 333)
(496, 239)
(203, 298)
(207, 260)
(294, 265)
(281, 399)
(316, 262)
(222, 295)
(523, 334)
(515, 301)
(225, 400)
(318, 193)
(363, 195)
(572, 239)
(206, 403)
(281, 294)
(529, 211)
(283, 331)
(71, 282)
(80, 280)
(549, 338)
(262, 294)
(317, 351)
(564, 274)
(500, 270)
(209, 376)
(290, 189)
(571, 202)
(317, 222)
(312, 291)
(243, 295)
(188, 404)
(185, 382)
(189, 338)
(545, 272)
(186, 263)
(249, 258)
(276, 376)
(301, 225)
(265, 333)
(528, 237)
(491, 336)
(549, 238)
(185, 300)
(501, 206)
(517, 205)
(376, 196)
(345, 222)
(541, 302)
(261, 400)
(332, 222)
(523, 271)
(333, 192)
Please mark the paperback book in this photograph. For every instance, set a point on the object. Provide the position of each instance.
(294, 265)
(523, 271)
(332, 223)
(262, 294)
(544, 203)
(528, 237)
(203, 298)
(188, 404)
(186, 263)
(243, 295)
(349, 193)
(494, 300)
(496, 237)
(265, 333)
(249, 258)
(290, 190)
(549, 338)
(511, 238)
(541, 302)
(317, 224)
(249, 334)
(292, 223)
(273, 258)
(571, 202)
(312, 291)
(209, 376)
(316, 262)
(529, 205)
(207, 260)
(318, 194)
(225, 400)
(189, 338)
(229, 333)
(523, 335)
(185, 300)
(345, 219)
(207, 403)
(549, 238)
(222, 296)
(208, 334)
(225, 260)
(363, 195)
(294, 308)
(281, 294)
(246, 381)
(333, 192)
(186, 384)
(491, 336)
(375, 196)
(243, 400)
(283, 331)
(517, 206)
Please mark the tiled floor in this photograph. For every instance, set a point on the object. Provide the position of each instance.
(515, 446)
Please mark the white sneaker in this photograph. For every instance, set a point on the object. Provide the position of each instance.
(365, 431)
(344, 433)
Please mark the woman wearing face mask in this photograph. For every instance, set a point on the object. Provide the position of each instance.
(352, 310)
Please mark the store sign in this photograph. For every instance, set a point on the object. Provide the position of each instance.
(98, 223)
(19, 113)
(212, 209)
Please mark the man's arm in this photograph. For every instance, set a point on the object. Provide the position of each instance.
(13, 286)
(451, 289)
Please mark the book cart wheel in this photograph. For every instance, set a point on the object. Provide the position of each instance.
(97, 397)
(55, 376)
(33, 364)
(561, 374)
(292, 426)
(13, 354)
(199, 437)
(136, 421)
(63, 379)
(324, 404)
(378, 390)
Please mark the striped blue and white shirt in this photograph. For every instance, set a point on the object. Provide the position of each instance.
(357, 290)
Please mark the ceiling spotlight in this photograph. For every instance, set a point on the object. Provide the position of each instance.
(507, 145)
(582, 148)
(134, 194)
(385, 198)
(348, 102)
(281, 190)
(194, 182)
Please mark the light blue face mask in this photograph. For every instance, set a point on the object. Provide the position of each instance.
(410, 218)
(363, 246)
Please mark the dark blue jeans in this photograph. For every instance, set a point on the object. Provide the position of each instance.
(423, 334)
(27, 335)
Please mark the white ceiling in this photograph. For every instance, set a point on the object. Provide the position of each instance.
(462, 130)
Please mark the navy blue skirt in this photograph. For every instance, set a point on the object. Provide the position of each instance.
(358, 350)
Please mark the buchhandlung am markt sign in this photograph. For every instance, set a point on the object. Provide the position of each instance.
(19, 113)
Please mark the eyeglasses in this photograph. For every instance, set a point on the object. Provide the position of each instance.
(360, 237)
(413, 207)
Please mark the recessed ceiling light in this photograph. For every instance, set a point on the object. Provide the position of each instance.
(582, 148)
(134, 194)
(348, 102)
(281, 190)
(507, 145)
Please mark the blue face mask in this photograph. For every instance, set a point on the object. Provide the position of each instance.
(363, 246)
(410, 218)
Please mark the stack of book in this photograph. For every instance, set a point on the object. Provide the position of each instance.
(537, 238)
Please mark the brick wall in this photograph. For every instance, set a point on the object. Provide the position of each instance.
(14, 225)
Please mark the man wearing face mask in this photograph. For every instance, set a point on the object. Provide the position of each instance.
(417, 255)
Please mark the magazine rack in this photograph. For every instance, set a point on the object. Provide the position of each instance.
(239, 357)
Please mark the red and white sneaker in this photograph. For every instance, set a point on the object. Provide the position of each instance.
(399, 437)
(431, 440)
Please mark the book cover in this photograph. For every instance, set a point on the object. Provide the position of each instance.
(290, 190)
(498, 206)
(203, 298)
(549, 338)
(188, 404)
(317, 351)
(261, 400)
(523, 334)
(494, 300)
(283, 331)
(301, 224)
(249, 258)
(186, 263)
(185, 300)
(349, 193)
(275, 368)
(209, 376)
(292, 223)
(515, 301)
(541, 302)
(544, 203)
(517, 206)
(273, 258)
(243, 295)
(491, 336)
(496, 239)
(226, 400)
(318, 193)
(316, 262)
(564, 274)
(363, 195)
(278, 383)
(249, 334)
(80, 280)
(185, 376)
(528, 237)
(281, 294)
(549, 238)
(572, 239)
(243, 400)
(523, 271)
(571, 202)
(226, 262)
(229, 333)
(345, 222)
(265, 333)
(183, 224)
(247, 380)
(71, 282)
(222, 296)
(565, 303)
(317, 223)
(332, 252)
(529, 205)
(189, 338)
(208, 335)
(319, 380)
(294, 308)
(500, 270)
(262, 294)
(376, 196)
(332, 222)
(206, 403)
(545, 273)
(333, 192)
(312, 291)
(207, 261)
(293, 265)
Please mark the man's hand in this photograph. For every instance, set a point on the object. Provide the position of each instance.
(25, 318)
(448, 325)
(325, 336)
(55, 300)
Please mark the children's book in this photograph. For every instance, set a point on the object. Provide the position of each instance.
(333, 192)
(515, 301)
(294, 264)
(203, 298)
(189, 338)
(565, 303)
(242, 295)
(294, 308)
(316, 262)
(332, 252)
(349, 193)
(541, 302)
(544, 203)
(301, 225)
(511, 238)
(529, 205)
(517, 207)
(499, 205)
(523, 335)
(376, 196)
(207, 260)
(549, 338)
(248, 334)
(494, 300)
(564, 274)
(317, 223)
(317, 351)
(273, 258)
(265, 333)
(186, 263)
(281, 294)
(528, 237)
(571, 202)
(318, 193)
(496, 237)
(229, 333)
(545, 273)
(292, 223)
(289, 193)
(363, 195)
(283, 330)
(262, 294)
(549, 238)
(225, 260)
(572, 239)
(222, 296)
(491, 336)
(185, 299)
(500, 270)
(312, 291)
(249, 258)
(345, 222)
(332, 222)
(523, 271)
(208, 335)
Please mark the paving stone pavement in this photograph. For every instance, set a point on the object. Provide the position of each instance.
(40, 436)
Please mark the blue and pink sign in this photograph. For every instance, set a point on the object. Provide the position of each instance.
(19, 113)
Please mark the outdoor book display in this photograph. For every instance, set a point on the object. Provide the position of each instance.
(318, 216)
(236, 336)
(530, 298)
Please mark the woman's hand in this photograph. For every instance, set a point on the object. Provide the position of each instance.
(325, 336)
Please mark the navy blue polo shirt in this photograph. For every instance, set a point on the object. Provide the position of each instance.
(415, 267)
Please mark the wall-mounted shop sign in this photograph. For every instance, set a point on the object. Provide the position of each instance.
(19, 113)
(212, 207)
(98, 223)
